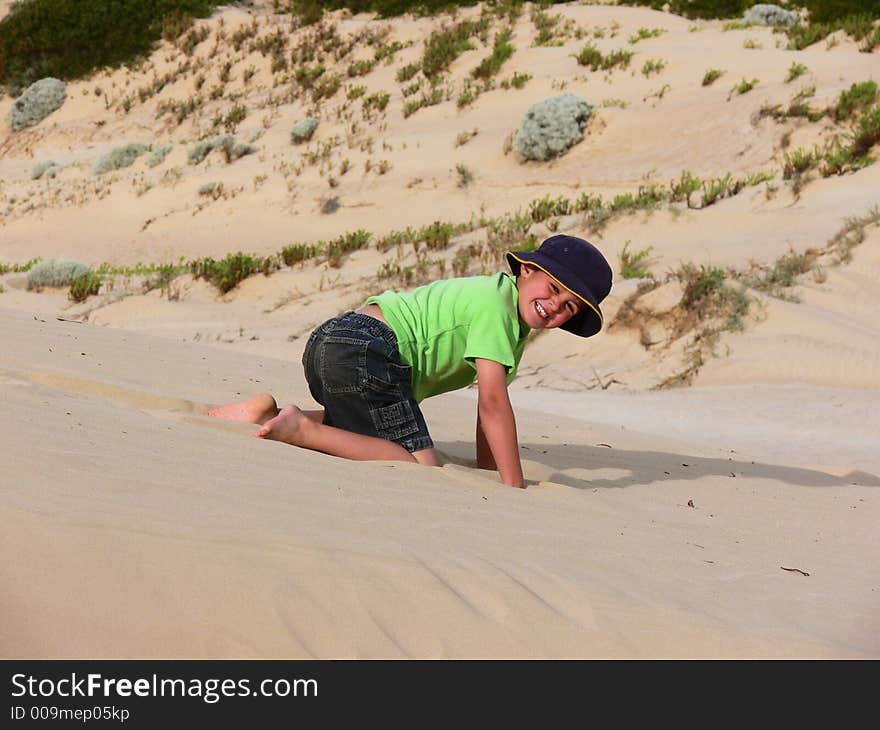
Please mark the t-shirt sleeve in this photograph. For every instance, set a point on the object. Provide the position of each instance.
(491, 336)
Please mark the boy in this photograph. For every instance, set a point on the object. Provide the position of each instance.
(371, 368)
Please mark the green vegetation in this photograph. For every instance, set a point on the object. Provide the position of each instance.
(743, 87)
(84, 286)
(501, 51)
(795, 70)
(712, 75)
(644, 33)
(68, 39)
(120, 157)
(444, 46)
(632, 264)
(592, 58)
(653, 66)
(855, 100)
(234, 268)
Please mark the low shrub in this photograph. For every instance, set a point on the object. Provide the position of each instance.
(120, 157)
(303, 130)
(773, 15)
(552, 126)
(37, 102)
(49, 168)
(84, 286)
(158, 155)
(55, 272)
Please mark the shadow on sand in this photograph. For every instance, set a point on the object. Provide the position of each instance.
(591, 467)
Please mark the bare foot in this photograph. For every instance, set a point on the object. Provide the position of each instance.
(257, 409)
(287, 426)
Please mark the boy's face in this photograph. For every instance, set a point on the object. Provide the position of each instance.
(543, 302)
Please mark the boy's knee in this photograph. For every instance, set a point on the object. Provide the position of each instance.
(426, 457)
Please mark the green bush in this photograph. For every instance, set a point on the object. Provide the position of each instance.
(84, 286)
(158, 155)
(236, 267)
(55, 272)
(68, 39)
(120, 157)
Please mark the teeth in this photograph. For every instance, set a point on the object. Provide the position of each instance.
(540, 310)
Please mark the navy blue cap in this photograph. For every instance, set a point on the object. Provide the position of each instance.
(580, 267)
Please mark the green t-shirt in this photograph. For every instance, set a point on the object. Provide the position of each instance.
(442, 327)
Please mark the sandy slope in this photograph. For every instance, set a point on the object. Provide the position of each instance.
(143, 529)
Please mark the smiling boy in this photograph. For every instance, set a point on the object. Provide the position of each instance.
(371, 368)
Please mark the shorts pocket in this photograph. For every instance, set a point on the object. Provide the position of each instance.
(341, 363)
(395, 421)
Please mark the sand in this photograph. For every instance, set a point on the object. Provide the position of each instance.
(732, 517)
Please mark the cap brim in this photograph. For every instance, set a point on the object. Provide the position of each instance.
(585, 323)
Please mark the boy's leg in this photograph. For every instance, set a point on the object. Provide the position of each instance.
(256, 409)
(293, 426)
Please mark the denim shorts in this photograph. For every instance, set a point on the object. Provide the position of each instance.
(353, 369)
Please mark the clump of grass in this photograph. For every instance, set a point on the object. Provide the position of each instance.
(632, 264)
(517, 81)
(854, 100)
(712, 75)
(501, 51)
(796, 70)
(653, 66)
(465, 137)
(345, 244)
(797, 162)
(227, 273)
(592, 58)
(444, 46)
(644, 33)
(377, 101)
(743, 87)
(360, 68)
(783, 274)
(429, 98)
(684, 187)
(405, 73)
(716, 189)
(860, 26)
(296, 253)
(84, 286)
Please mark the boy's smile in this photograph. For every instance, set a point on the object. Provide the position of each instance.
(543, 302)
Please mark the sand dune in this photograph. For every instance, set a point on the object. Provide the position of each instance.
(735, 517)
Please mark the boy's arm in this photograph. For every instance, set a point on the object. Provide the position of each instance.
(496, 426)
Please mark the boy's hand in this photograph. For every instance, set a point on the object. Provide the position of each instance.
(496, 426)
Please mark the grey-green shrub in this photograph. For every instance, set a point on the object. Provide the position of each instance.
(202, 149)
(240, 150)
(55, 272)
(158, 155)
(49, 168)
(767, 14)
(120, 157)
(303, 130)
(37, 102)
(552, 126)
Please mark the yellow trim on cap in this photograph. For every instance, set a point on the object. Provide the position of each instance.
(538, 266)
